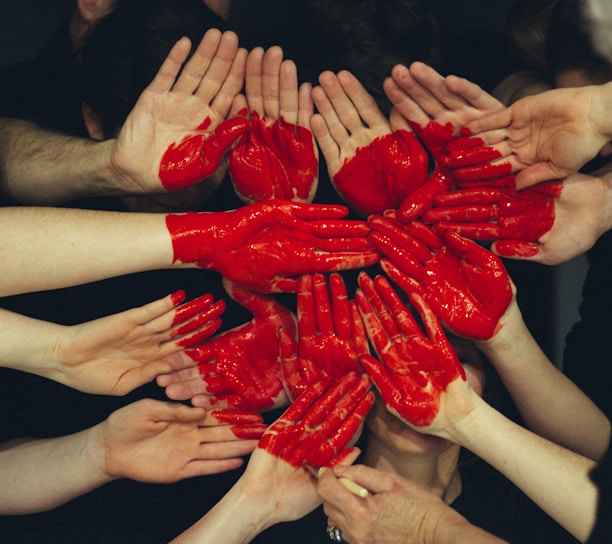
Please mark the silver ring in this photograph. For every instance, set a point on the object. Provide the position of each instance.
(334, 534)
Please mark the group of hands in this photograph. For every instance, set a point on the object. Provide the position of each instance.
(424, 224)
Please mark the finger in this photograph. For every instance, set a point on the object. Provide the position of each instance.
(289, 94)
(346, 113)
(516, 249)
(327, 144)
(219, 67)
(271, 69)
(322, 305)
(397, 90)
(194, 70)
(340, 308)
(363, 102)
(305, 105)
(139, 376)
(492, 122)
(166, 75)
(226, 99)
(431, 93)
(254, 80)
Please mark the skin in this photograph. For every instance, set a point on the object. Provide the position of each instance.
(275, 487)
(148, 440)
(112, 355)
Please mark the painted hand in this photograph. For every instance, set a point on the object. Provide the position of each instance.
(238, 368)
(414, 368)
(371, 167)
(466, 285)
(516, 221)
(277, 157)
(320, 423)
(266, 246)
(331, 335)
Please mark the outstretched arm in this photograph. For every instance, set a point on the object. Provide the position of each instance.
(318, 428)
(175, 136)
(265, 246)
(112, 355)
(150, 441)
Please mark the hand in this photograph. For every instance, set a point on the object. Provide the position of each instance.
(277, 158)
(423, 100)
(266, 246)
(414, 369)
(176, 135)
(162, 442)
(330, 336)
(397, 510)
(116, 354)
(466, 285)
(547, 136)
(515, 220)
(239, 368)
(371, 167)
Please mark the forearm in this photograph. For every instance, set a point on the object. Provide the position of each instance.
(555, 478)
(550, 404)
(45, 168)
(235, 519)
(453, 528)
(39, 475)
(49, 248)
(27, 344)
(601, 112)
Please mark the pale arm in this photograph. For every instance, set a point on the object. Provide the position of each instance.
(112, 355)
(548, 401)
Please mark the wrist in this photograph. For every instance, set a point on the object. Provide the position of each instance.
(600, 115)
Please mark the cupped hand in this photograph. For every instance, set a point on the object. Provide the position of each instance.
(277, 157)
(371, 167)
(268, 245)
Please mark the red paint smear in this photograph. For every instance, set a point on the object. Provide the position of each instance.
(197, 156)
(275, 161)
(381, 175)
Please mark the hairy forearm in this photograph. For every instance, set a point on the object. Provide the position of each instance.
(44, 168)
(549, 402)
(38, 475)
(555, 478)
(49, 248)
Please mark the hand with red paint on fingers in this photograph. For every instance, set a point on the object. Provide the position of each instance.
(372, 167)
(318, 428)
(422, 99)
(147, 441)
(277, 157)
(239, 368)
(266, 246)
(550, 135)
(112, 355)
(466, 285)
(177, 134)
(416, 367)
(330, 335)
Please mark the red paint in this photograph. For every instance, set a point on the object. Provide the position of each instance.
(177, 297)
(496, 213)
(266, 246)
(382, 174)
(320, 423)
(331, 335)
(197, 156)
(241, 367)
(465, 284)
(236, 417)
(415, 367)
(197, 320)
(276, 160)
(417, 203)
